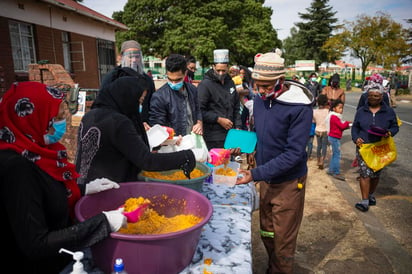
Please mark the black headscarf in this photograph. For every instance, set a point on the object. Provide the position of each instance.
(122, 96)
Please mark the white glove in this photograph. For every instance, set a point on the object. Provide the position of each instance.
(99, 185)
(200, 154)
(116, 219)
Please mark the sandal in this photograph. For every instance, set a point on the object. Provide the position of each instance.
(372, 201)
(361, 207)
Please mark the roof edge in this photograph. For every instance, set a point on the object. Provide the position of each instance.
(84, 11)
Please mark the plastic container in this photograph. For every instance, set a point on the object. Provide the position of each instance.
(243, 139)
(226, 180)
(219, 156)
(195, 183)
(155, 254)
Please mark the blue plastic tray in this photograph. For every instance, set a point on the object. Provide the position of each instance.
(245, 140)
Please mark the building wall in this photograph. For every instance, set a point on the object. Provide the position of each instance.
(49, 22)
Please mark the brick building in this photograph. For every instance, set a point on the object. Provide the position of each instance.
(57, 32)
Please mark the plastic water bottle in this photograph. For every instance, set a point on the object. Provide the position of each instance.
(118, 267)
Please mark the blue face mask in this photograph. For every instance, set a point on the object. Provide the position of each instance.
(176, 86)
(59, 130)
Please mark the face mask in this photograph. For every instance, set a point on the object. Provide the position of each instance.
(313, 79)
(133, 59)
(191, 74)
(59, 130)
(175, 86)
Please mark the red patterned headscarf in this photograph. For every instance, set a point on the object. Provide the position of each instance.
(27, 110)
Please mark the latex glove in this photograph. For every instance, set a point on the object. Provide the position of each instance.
(116, 219)
(201, 155)
(99, 185)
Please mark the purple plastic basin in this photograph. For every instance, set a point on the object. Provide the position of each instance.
(161, 253)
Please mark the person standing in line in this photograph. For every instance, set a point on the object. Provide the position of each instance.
(336, 126)
(191, 69)
(333, 91)
(176, 103)
(377, 114)
(219, 102)
(132, 57)
(314, 87)
(319, 117)
(38, 189)
(309, 146)
(283, 118)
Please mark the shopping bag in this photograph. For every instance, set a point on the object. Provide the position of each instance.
(380, 154)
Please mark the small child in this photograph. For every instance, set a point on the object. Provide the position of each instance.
(336, 128)
(319, 117)
(309, 146)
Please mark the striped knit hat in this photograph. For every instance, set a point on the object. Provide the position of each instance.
(269, 66)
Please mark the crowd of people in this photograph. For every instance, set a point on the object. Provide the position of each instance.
(113, 146)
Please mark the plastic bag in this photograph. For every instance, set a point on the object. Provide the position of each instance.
(380, 154)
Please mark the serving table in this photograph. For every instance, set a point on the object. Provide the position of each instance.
(225, 244)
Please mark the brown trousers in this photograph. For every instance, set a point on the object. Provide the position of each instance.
(281, 213)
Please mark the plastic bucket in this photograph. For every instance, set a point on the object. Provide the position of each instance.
(195, 183)
(161, 253)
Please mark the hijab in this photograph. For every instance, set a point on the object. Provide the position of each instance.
(27, 111)
(122, 96)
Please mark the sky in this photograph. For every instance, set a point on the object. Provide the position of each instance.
(285, 12)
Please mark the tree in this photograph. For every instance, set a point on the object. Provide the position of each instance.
(317, 27)
(198, 27)
(377, 39)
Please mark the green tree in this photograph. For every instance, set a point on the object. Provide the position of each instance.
(374, 40)
(198, 27)
(306, 43)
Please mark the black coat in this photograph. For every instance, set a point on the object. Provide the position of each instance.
(218, 100)
(112, 141)
(35, 219)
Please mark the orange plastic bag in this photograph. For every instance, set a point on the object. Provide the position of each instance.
(380, 154)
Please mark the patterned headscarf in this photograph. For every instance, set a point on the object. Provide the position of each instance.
(27, 110)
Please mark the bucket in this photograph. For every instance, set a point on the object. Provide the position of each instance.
(155, 254)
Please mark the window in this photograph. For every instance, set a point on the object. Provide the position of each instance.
(22, 45)
(66, 52)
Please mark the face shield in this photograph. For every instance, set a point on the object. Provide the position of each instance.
(133, 59)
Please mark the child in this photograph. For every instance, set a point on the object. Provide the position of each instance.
(336, 128)
(319, 117)
(309, 145)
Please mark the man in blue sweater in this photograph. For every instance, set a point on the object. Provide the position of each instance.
(283, 117)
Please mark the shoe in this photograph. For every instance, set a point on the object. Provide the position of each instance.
(339, 177)
(361, 207)
(372, 201)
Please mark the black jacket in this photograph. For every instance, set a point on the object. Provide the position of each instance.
(35, 219)
(112, 141)
(217, 100)
(168, 108)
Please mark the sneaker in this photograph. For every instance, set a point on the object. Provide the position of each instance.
(339, 177)
(372, 201)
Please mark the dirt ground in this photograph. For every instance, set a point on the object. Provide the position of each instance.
(332, 238)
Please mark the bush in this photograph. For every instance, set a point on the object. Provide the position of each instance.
(403, 91)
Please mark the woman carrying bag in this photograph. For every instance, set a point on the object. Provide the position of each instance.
(373, 122)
